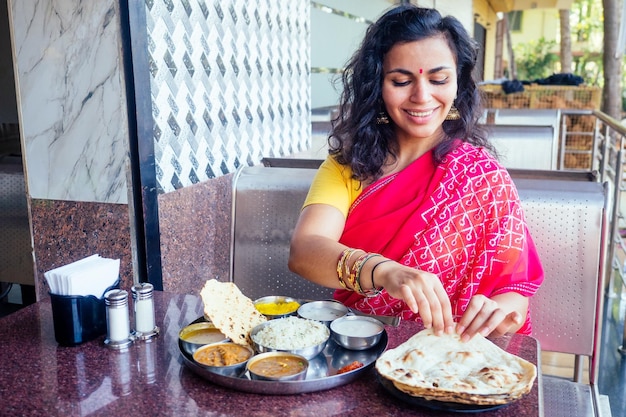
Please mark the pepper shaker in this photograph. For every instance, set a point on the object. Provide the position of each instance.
(145, 327)
(118, 322)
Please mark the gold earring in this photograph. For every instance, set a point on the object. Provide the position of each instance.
(382, 118)
(453, 114)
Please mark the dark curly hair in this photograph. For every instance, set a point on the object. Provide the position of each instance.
(356, 139)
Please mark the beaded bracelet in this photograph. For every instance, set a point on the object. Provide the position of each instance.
(355, 273)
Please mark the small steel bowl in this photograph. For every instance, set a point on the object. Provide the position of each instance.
(196, 335)
(235, 369)
(278, 301)
(279, 363)
(324, 311)
(356, 332)
(308, 352)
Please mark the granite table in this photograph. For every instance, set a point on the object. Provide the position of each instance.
(38, 377)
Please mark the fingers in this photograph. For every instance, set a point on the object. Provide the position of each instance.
(485, 317)
(441, 311)
(446, 309)
(433, 306)
(409, 299)
(513, 320)
(423, 294)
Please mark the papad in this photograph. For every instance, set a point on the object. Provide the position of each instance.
(230, 310)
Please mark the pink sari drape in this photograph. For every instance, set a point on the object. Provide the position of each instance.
(461, 220)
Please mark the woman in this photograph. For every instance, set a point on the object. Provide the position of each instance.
(410, 214)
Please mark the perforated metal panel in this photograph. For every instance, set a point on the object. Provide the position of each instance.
(567, 399)
(16, 261)
(566, 220)
(266, 205)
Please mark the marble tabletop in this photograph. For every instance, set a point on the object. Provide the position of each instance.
(38, 377)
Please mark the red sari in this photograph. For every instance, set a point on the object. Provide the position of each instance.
(460, 220)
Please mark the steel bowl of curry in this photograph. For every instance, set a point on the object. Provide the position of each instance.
(196, 335)
(277, 366)
(228, 358)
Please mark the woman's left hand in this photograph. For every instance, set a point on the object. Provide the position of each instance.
(503, 313)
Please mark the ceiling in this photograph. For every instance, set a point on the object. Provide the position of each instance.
(509, 5)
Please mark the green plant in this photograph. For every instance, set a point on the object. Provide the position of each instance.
(535, 59)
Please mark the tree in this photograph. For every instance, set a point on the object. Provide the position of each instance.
(513, 69)
(612, 60)
(566, 41)
(535, 60)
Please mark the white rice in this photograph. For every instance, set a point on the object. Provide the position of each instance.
(291, 333)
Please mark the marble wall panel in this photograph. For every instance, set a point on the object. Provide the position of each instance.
(71, 98)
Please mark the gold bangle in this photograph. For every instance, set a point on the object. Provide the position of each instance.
(352, 273)
(340, 262)
(343, 260)
(347, 266)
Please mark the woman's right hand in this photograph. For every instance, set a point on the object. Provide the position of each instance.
(422, 292)
(313, 255)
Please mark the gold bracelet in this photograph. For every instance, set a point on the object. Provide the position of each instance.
(352, 272)
(343, 260)
(347, 273)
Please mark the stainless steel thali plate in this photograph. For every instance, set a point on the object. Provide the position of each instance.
(322, 373)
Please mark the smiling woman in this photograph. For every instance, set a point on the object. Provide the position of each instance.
(411, 214)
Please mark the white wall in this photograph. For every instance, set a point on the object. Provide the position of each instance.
(334, 38)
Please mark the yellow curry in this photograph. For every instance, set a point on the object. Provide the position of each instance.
(277, 366)
(223, 354)
(277, 308)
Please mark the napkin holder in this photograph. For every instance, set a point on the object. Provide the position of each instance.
(79, 318)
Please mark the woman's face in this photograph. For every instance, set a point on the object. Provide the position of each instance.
(419, 87)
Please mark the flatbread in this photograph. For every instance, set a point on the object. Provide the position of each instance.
(443, 368)
(230, 310)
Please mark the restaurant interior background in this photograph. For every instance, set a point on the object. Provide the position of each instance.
(133, 116)
(123, 123)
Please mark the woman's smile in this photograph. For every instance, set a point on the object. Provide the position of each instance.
(420, 113)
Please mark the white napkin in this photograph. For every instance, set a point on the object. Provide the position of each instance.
(88, 276)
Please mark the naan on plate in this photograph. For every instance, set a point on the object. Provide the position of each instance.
(443, 368)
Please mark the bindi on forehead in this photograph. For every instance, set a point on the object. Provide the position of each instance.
(421, 70)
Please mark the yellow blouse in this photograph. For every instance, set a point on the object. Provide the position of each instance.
(333, 185)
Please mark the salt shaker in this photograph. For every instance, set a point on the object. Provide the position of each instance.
(145, 327)
(118, 322)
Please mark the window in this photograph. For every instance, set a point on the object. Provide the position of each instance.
(515, 20)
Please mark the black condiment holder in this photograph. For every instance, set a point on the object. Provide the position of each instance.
(79, 318)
